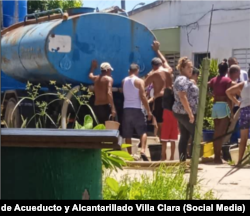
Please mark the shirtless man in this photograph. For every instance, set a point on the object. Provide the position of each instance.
(104, 104)
(161, 78)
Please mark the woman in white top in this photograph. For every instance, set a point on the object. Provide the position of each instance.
(243, 90)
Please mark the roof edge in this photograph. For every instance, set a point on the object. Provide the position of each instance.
(147, 7)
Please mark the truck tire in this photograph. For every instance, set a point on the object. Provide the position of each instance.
(16, 116)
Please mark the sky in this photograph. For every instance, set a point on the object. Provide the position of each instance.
(102, 4)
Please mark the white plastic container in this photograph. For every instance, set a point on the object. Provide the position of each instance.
(135, 144)
(234, 153)
(153, 140)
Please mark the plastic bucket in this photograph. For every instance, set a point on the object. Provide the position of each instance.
(155, 152)
(112, 125)
(153, 140)
(208, 135)
(234, 153)
(225, 152)
(208, 150)
(134, 147)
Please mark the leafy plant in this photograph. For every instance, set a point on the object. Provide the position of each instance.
(52, 4)
(208, 123)
(231, 163)
(117, 192)
(166, 183)
(88, 124)
(111, 160)
(40, 107)
(213, 72)
(114, 160)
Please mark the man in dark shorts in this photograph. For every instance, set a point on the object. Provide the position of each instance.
(160, 79)
(133, 116)
(104, 104)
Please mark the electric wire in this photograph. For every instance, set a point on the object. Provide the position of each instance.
(195, 25)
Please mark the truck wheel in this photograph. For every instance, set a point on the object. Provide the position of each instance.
(8, 111)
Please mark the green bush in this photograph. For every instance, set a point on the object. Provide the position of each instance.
(213, 72)
(165, 184)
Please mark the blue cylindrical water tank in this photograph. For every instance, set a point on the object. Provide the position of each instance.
(62, 50)
(13, 12)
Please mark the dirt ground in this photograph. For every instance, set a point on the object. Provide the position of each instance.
(235, 186)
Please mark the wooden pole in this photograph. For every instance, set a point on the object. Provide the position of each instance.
(209, 31)
(199, 119)
(198, 128)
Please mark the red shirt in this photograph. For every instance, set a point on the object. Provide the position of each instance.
(219, 85)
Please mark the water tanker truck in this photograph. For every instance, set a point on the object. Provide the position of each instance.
(60, 47)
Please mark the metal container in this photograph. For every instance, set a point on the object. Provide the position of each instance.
(53, 164)
(62, 50)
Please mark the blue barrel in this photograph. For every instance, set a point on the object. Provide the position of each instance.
(208, 135)
(22, 9)
(13, 12)
(62, 50)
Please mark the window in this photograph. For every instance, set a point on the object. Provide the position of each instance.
(198, 57)
(173, 61)
(243, 57)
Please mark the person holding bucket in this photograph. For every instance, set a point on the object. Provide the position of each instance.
(104, 103)
(133, 115)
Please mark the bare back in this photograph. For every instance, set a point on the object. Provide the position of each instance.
(101, 84)
(161, 79)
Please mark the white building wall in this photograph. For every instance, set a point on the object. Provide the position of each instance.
(165, 15)
(230, 29)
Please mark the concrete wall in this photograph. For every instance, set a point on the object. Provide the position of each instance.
(172, 44)
(230, 29)
(166, 15)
